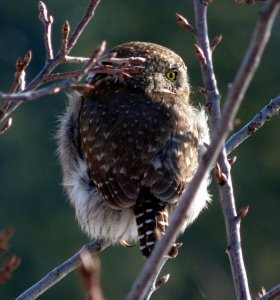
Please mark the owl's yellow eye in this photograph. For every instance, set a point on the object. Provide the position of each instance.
(171, 75)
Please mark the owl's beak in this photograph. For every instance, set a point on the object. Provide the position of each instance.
(165, 91)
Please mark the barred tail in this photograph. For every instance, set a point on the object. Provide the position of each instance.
(152, 221)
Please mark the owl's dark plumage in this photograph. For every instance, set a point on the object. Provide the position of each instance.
(130, 146)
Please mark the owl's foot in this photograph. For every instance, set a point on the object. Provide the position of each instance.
(172, 253)
(125, 244)
(174, 250)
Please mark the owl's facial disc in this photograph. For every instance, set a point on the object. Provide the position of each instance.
(164, 72)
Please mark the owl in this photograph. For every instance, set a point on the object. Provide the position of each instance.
(129, 148)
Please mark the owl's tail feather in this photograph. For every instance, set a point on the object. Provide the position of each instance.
(152, 221)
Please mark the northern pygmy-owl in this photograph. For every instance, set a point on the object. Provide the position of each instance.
(129, 148)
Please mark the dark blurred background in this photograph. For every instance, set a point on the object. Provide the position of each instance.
(32, 199)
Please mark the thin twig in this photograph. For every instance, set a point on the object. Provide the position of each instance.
(51, 63)
(61, 271)
(60, 57)
(21, 66)
(119, 68)
(272, 294)
(216, 41)
(47, 21)
(256, 123)
(6, 126)
(92, 61)
(75, 59)
(48, 90)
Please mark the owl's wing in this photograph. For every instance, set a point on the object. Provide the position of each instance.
(172, 169)
(129, 142)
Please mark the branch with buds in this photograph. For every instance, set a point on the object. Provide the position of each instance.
(21, 92)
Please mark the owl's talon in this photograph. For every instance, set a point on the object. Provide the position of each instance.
(179, 245)
(125, 244)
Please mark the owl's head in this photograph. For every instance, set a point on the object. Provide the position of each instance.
(164, 72)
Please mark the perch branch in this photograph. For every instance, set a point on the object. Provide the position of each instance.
(238, 89)
(223, 175)
(61, 271)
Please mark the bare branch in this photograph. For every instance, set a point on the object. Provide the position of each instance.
(223, 168)
(72, 78)
(222, 126)
(61, 271)
(256, 123)
(75, 59)
(47, 21)
(18, 98)
(60, 57)
(234, 97)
